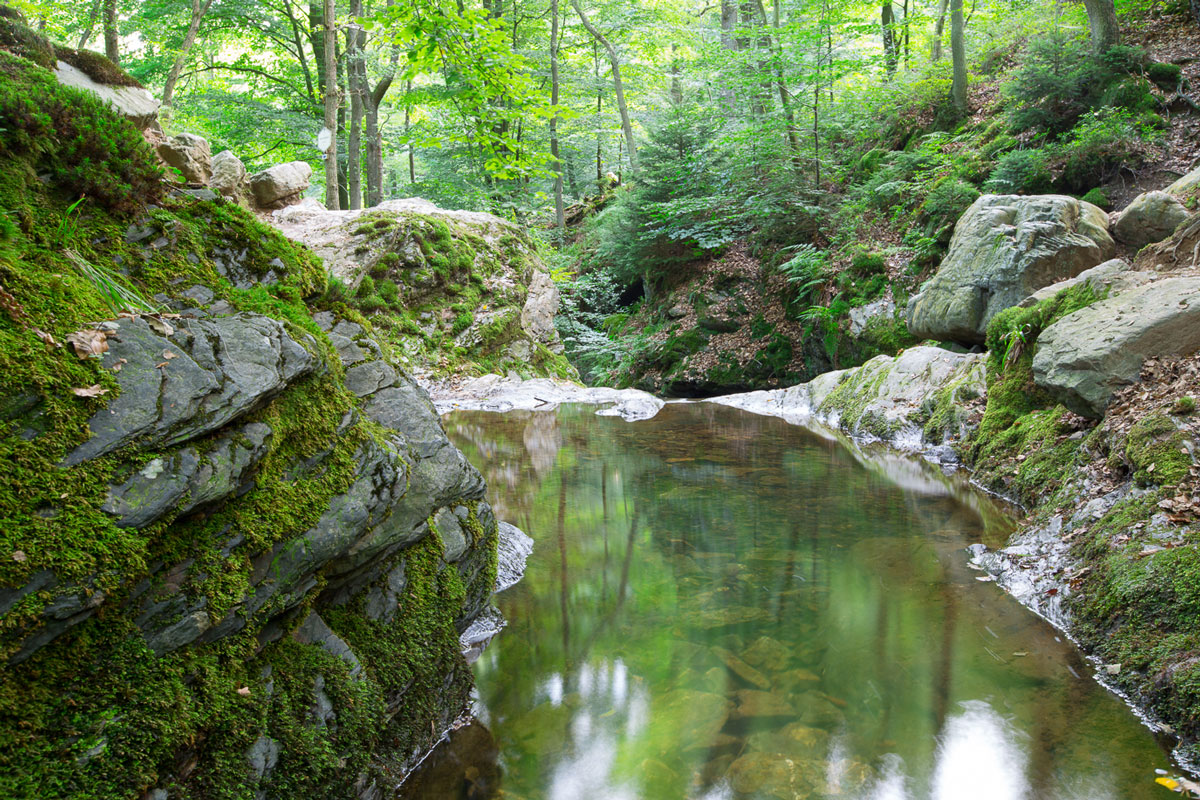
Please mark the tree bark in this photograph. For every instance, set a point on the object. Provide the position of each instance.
(784, 98)
(356, 78)
(559, 214)
(958, 57)
(199, 9)
(412, 160)
(618, 87)
(297, 38)
(329, 41)
(599, 119)
(86, 36)
(939, 28)
(1102, 20)
(887, 18)
(112, 39)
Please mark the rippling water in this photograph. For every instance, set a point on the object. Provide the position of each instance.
(721, 605)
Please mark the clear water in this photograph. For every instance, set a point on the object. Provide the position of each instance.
(722, 605)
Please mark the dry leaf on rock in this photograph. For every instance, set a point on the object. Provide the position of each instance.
(45, 337)
(88, 343)
(90, 391)
(160, 326)
(19, 555)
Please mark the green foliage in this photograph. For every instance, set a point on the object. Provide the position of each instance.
(1020, 172)
(1099, 198)
(1102, 143)
(1165, 76)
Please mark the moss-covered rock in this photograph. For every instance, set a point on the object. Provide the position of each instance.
(446, 291)
(230, 566)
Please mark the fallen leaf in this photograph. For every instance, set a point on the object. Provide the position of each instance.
(88, 343)
(159, 326)
(91, 391)
(45, 337)
(169, 355)
(1170, 783)
(19, 555)
(244, 691)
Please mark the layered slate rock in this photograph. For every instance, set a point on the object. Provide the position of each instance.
(1004, 248)
(1086, 356)
(1149, 218)
(181, 383)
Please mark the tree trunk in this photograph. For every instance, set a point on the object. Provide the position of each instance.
(958, 57)
(90, 26)
(199, 9)
(618, 87)
(300, 54)
(356, 77)
(887, 17)
(112, 39)
(784, 98)
(1102, 20)
(729, 16)
(329, 41)
(600, 120)
(939, 28)
(412, 160)
(559, 214)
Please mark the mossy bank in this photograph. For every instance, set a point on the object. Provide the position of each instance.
(236, 548)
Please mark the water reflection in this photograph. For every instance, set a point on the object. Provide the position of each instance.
(721, 605)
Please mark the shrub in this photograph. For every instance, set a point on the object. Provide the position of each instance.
(946, 202)
(1021, 171)
(1101, 144)
(1098, 197)
(1166, 76)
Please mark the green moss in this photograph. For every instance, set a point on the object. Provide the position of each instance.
(1099, 198)
(19, 39)
(1155, 451)
(96, 66)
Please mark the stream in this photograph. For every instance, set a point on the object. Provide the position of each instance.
(723, 605)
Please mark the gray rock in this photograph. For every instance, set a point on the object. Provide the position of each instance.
(368, 378)
(1006, 247)
(541, 306)
(262, 756)
(314, 631)
(1114, 275)
(454, 538)
(190, 154)
(203, 478)
(860, 316)
(1149, 218)
(348, 351)
(1187, 186)
(1083, 358)
(135, 104)
(201, 294)
(228, 175)
(351, 330)
(222, 368)
(281, 185)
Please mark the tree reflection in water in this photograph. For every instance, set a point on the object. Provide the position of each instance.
(721, 605)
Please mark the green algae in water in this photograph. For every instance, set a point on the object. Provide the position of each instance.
(721, 605)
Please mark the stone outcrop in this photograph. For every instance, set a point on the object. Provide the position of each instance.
(1149, 218)
(1086, 356)
(132, 102)
(229, 176)
(1114, 275)
(190, 154)
(468, 284)
(1004, 248)
(913, 400)
(281, 185)
(1186, 187)
(181, 383)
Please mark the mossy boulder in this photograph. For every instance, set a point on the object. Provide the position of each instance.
(1083, 358)
(1004, 248)
(229, 569)
(451, 291)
